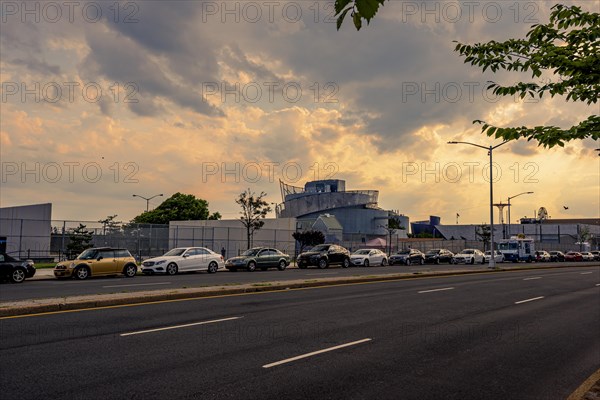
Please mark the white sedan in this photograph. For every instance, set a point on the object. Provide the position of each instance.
(184, 259)
(469, 256)
(367, 257)
(499, 257)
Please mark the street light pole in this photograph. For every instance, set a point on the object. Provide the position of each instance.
(490, 150)
(512, 197)
(147, 199)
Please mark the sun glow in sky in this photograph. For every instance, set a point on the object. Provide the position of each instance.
(102, 100)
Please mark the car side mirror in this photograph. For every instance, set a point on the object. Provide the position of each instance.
(99, 258)
(186, 255)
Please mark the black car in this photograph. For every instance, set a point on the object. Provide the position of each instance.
(408, 257)
(15, 270)
(437, 256)
(557, 256)
(324, 255)
(259, 257)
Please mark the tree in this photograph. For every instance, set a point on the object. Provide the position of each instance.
(309, 238)
(254, 210)
(483, 234)
(392, 226)
(109, 225)
(567, 46)
(79, 240)
(179, 207)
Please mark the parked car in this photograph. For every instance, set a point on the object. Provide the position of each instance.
(184, 259)
(259, 257)
(542, 256)
(587, 256)
(408, 257)
(469, 256)
(596, 255)
(557, 256)
(324, 255)
(367, 257)
(98, 262)
(499, 257)
(437, 256)
(15, 270)
(573, 256)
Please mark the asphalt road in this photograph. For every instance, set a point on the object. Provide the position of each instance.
(32, 289)
(509, 335)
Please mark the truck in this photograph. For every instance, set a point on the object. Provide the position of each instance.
(517, 249)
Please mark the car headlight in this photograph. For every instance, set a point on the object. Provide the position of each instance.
(160, 262)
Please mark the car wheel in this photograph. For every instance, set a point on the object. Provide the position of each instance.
(172, 269)
(421, 261)
(82, 273)
(18, 275)
(212, 267)
(384, 262)
(473, 260)
(483, 260)
(130, 270)
(437, 261)
(408, 261)
(366, 263)
(251, 266)
(346, 263)
(282, 265)
(323, 263)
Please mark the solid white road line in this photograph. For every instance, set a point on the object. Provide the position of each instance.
(435, 290)
(586, 273)
(138, 284)
(314, 353)
(597, 284)
(525, 301)
(530, 279)
(179, 326)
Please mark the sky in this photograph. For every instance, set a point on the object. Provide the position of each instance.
(104, 100)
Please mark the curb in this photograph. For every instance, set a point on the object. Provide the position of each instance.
(78, 303)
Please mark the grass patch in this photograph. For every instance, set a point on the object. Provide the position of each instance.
(44, 265)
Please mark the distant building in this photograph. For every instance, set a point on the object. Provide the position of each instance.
(356, 211)
(25, 230)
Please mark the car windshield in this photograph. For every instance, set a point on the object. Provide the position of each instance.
(250, 252)
(321, 247)
(362, 251)
(433, 252)
(467, 251)
(404, 252)
(175, 252)
(88, 254)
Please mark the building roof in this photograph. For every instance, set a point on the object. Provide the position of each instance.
(330, 222)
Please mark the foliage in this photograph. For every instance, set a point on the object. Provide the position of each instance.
(568, 46)
(359, 10)
(109, 225)
(79, 240)
(483, 233)
(309, 238)
(179, 207)
(254, 210)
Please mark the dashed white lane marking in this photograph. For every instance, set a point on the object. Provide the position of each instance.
(528, 300)
(314, 353)
(435, 290)
(179, 326)
(532, 278)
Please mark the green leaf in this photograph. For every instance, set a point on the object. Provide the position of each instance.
(367, 8)
(340, 5)
(340, 19)
(357, 20)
